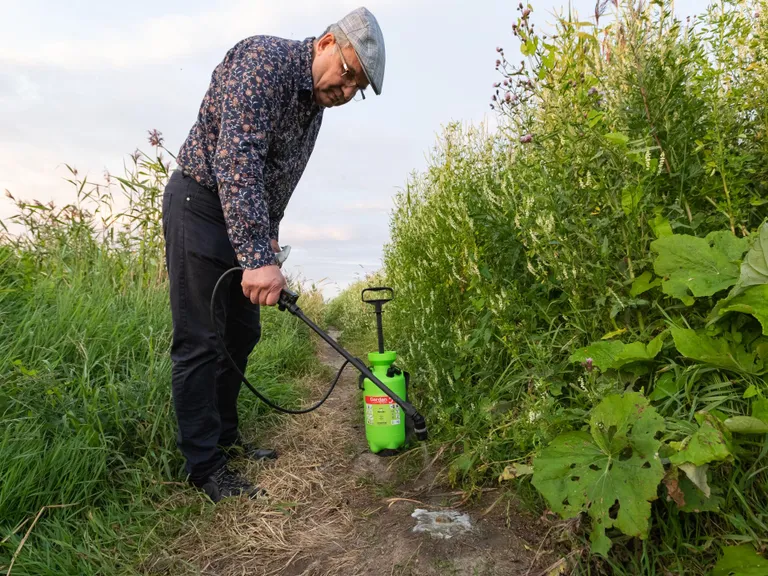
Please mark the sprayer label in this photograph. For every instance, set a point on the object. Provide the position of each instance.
(381, 411)
(379, 400)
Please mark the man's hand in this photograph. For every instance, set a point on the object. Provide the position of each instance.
(263, 285)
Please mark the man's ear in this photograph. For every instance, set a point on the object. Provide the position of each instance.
(326, 41)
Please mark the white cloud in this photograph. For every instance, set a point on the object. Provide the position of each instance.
(171, 36)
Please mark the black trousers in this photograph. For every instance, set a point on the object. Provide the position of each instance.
(205, 387)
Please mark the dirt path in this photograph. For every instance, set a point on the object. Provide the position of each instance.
(336, 509)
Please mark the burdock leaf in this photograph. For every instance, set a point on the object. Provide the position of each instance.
(612, 473)
(701, 266)
(754, 268)
(754, 301)
(613, 354)
(707, 444)
(715, 351)
(740, 561)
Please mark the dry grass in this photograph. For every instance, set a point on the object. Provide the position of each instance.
(306, 514)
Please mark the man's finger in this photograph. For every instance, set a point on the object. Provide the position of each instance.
(273, 297)
(254, 296)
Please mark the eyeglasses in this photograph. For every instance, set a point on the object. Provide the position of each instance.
(347, 70)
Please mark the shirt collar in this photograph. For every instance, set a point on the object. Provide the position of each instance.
(305, 61)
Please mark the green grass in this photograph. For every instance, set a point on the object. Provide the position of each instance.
(87, 427)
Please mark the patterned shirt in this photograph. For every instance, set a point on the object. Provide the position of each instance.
(253, 136)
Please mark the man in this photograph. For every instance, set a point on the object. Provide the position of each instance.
(239, 166)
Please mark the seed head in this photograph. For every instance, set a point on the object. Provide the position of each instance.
(155, 138)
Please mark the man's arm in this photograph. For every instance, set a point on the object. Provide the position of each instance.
(249, 113)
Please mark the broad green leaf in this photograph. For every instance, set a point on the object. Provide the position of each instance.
(740, 561)
(707, 444)
(666, 386)
(754, 301)
(643, 283)
(630, 198)
(750, 392)
(655, 345)
(660, 225)
(760, 409)
(617, 138)
(715, 351)
(703, 266)
(732, 246)
(754, 268)
(612, 473)
(602, 353)
(612, 354)
(746, 425)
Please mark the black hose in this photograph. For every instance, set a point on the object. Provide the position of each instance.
(242, 376)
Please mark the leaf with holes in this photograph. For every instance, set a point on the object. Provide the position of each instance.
(740, 561)
(697, 266)
(612, 473)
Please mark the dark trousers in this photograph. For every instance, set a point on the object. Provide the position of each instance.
(205, 387)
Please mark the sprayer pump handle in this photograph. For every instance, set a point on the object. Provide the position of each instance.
(378, 300)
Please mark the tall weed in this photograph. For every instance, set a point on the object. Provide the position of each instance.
(533, 274)
(87, 428)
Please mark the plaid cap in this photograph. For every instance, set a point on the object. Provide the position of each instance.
(366, 38)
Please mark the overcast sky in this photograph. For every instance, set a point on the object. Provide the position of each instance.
(81, 82)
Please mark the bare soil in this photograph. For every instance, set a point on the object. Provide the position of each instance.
(333, 508)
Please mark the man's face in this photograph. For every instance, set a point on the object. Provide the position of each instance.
(334, 83)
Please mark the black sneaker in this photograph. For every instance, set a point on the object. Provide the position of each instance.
(225, 483)
(242, 449)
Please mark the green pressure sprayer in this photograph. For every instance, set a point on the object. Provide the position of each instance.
(389, 417)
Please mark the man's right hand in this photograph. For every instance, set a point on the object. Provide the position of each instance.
(263, 285)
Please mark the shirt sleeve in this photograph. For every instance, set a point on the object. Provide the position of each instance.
(250, 109)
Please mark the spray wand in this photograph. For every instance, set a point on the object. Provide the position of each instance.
(287, 301)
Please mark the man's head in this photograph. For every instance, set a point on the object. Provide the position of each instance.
(349, 57)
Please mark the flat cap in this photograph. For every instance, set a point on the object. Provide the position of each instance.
(366, 38)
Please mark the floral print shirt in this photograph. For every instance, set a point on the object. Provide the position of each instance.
(253, 136)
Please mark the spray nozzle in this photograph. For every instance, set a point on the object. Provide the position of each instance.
(419, 427)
